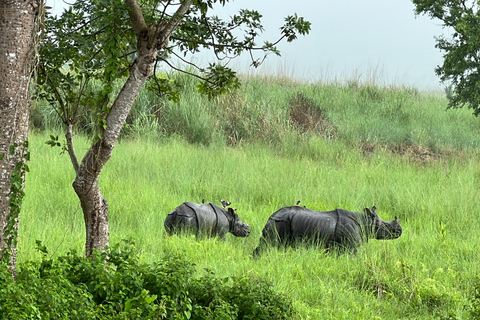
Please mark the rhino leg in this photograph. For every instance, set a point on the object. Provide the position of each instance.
(344, 245)
(177, 223)
(221, 236)
(261, 246)
(275, 233)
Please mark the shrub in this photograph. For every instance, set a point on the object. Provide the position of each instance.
(241, 297)
(307, 116)
(113, 285)
(48, 295)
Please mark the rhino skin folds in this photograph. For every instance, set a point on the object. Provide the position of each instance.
(207, 220)
(339, 228)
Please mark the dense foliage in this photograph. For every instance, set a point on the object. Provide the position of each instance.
(461, 47)
(75, 287)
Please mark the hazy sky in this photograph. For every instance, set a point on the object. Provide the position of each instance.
(380, 40)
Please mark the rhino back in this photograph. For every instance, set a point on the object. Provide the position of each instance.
(211, 218)
(314, 225)
(340, 227)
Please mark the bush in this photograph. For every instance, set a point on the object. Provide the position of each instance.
(47, 296)
(242, 297)
(113, 285)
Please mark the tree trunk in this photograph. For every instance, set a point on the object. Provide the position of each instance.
(95, 207)
(149, 41)
(17, 34)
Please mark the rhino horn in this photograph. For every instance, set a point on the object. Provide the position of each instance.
(396, 219)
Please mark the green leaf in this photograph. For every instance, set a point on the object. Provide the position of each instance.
(128, 305)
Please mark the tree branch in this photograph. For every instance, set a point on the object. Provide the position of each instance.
(186, 72)
(70, 148)
(136, 18)
(232, 46)
(170, 26)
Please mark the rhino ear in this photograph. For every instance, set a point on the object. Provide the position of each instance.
(232, 213)
(396, 219)
(370, 213)
(374, 210)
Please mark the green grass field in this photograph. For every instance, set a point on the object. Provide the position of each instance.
(402, 153)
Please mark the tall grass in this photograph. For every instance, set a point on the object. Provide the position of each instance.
(267, 145)
(266, 110)
(427, 272)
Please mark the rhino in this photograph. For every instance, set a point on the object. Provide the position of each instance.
(339, 228)
(205, 220)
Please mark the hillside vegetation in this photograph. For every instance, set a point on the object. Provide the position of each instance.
(271, 143)
(271, 110)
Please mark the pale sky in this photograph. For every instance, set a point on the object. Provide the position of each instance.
(379, 40)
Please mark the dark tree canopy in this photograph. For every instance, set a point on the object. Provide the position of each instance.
(461, 63)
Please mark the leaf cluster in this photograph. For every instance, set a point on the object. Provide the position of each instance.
(461, 63)
(94, 42)
(81, 47)
(114, 285)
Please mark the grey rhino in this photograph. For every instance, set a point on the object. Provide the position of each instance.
(341, 229)
(205, 220)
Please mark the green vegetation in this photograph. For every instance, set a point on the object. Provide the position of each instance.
(73, 287)
(270, 110)
(268, 145)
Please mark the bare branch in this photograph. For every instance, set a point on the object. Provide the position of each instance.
(185, 61)
(186, 72)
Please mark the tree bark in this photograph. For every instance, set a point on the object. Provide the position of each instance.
(18, 22)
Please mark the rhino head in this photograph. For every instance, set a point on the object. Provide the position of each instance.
(382, 230)
(237, 227)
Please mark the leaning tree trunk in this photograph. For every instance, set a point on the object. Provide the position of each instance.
(94, 206)
(149, 41)
(17, 35)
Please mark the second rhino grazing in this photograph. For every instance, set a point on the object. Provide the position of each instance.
(205, 220)
(340, 229)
